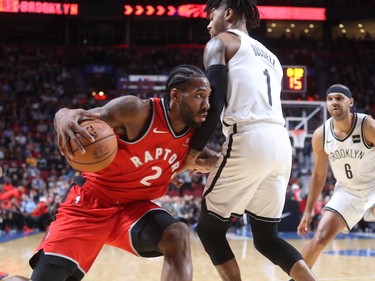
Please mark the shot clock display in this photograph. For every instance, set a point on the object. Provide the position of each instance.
(294, 79)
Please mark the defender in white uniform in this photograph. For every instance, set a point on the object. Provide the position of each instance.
(346, 143)
(253, 170)
(253, 173)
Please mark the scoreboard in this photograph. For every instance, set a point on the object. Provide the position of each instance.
(294, 79)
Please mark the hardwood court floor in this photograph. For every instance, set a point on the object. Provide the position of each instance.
(344, 259)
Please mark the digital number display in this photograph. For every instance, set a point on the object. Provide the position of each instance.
(294, 78)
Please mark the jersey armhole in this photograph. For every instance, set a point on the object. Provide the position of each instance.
(363, 133)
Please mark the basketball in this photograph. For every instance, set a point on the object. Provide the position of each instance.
(100, 153)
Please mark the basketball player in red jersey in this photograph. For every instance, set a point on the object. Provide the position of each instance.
(113, 206)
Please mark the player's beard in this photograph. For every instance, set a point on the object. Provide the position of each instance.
(189, 117)
(339, 113)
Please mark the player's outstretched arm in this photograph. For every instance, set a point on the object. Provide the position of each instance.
(189, 161)
(317, 181)
(206, 161)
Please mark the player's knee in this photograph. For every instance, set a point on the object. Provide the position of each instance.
(269, 244)
(45, 266)
(265, 245)
(212, 234)
(321, 238)
(175, 239)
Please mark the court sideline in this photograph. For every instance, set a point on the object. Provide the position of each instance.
(346, 258)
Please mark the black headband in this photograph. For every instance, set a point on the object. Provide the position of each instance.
(337, 88)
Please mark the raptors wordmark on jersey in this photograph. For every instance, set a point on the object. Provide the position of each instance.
(159, 154)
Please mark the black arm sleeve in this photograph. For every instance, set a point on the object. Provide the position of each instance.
(217, 75)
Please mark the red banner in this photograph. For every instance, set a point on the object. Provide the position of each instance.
(197, 11)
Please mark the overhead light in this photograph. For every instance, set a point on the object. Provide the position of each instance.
(341, 25)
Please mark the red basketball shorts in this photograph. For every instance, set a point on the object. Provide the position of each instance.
(84, 223)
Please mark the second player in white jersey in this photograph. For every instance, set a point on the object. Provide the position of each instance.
(351, 158)
(346, 143)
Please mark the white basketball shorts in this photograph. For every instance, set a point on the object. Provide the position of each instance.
(252, 173)
(352, 205)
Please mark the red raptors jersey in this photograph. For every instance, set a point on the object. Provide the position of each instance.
(143, 168)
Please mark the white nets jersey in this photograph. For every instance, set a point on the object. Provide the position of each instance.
(254, 85)
(352, 160)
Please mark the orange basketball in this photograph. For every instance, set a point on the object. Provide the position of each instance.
(100, 153)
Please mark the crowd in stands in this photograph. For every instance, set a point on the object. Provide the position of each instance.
(35, 81)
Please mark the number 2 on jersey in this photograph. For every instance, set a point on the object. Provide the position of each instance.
(157, 174)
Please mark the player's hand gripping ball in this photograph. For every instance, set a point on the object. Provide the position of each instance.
(100, 153)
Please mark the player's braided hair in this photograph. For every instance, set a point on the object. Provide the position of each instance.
(246, 8)
(180, 77)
